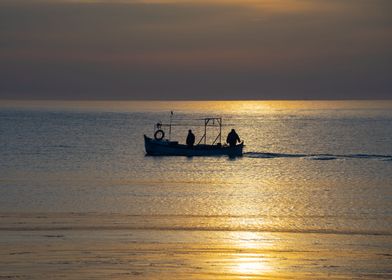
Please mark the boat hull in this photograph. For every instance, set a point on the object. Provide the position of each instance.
(166, 148)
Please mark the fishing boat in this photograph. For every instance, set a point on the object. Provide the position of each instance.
(160, 146)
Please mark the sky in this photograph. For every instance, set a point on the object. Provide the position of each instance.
(195, 49)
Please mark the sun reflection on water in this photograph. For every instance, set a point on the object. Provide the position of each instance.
(228, 106)
(252, 257)
(251, 265)
(253, 249)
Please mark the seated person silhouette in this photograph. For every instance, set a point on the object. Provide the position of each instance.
(190, 139)
(233, 138)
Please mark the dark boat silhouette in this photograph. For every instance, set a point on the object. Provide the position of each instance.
(159, 146)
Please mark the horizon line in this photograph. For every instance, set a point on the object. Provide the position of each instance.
(193, 100)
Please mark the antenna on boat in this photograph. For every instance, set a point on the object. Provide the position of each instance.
(171, 117)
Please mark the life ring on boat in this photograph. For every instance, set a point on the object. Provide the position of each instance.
(159, 134)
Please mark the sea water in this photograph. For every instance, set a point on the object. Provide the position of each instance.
(309, 167)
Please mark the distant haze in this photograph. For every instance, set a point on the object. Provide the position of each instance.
(195, 49)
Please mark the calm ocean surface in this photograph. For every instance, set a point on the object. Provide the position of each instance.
(308, 167)
(302, 163)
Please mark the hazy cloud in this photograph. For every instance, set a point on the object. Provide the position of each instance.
(196, 49)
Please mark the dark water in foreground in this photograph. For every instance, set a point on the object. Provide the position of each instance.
(314, 175)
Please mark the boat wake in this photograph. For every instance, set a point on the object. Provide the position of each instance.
(318, 156)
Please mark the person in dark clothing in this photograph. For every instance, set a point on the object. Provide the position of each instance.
(190, 139)
(233, 138)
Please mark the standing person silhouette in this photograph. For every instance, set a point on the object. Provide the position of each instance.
(233, 138)
(190, 139)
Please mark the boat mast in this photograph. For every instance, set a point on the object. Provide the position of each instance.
(170, 125)
(205, 130)
(220, 130)
(206, 123)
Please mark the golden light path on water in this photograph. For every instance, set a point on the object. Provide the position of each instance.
(221, 106)
(252, 262)
(249, 257)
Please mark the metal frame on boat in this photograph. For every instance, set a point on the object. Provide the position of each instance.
(159, 146)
